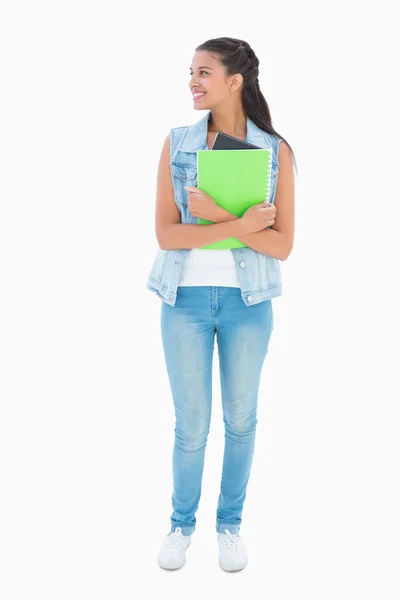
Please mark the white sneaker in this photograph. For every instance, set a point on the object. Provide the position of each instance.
(172, 554)
(232, 553)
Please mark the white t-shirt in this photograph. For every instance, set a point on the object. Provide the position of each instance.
(209, 267)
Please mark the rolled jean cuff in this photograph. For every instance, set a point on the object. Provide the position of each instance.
(232, 527)
(186, 529)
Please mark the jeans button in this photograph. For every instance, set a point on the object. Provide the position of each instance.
(242, 264)
(250, 298)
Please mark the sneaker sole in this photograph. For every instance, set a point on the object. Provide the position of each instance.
(230, 568)
(163, 566)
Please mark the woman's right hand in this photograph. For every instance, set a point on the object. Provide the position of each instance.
(258, 217)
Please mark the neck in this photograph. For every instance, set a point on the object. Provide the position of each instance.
(229, 121)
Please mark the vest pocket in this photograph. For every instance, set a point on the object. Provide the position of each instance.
(184, 172)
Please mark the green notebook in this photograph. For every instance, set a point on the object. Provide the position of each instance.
(236, 179)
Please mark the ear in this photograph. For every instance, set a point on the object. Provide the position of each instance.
(236, 82)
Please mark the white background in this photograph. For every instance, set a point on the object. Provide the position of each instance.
(89, 92)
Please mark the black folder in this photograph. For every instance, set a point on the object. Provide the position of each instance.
(223, 141)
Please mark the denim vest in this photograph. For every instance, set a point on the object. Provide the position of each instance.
(259, 275)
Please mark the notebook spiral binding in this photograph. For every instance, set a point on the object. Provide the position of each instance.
(268, 182)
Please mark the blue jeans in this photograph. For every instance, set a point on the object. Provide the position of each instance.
(243, 334)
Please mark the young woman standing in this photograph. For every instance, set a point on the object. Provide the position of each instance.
(217, 293)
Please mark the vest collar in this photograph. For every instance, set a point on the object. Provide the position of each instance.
(196, 135)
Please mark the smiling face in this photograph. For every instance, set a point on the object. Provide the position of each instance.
(208, 75)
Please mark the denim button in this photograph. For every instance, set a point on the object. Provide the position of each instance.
(177, 262)
(249, 298)
(242, 264)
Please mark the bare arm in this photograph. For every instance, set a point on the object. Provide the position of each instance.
(275, 241)
(188, 235)
(171, 233)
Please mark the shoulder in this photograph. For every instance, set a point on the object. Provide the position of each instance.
(284, 150)
(174, 135)
(281, 149)
(177, 134)
(180, 129)
(173, 141)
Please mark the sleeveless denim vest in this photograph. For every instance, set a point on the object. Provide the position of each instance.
(259, 275)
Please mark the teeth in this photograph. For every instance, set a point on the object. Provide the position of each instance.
(197, 95)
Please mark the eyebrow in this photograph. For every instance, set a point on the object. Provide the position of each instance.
(201, 68)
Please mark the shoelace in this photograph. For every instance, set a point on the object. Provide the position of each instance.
(174, 539)
(233, 542)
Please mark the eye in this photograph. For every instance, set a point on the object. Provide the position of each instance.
(206, 72)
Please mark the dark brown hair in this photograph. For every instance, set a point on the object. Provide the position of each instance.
(238, 57)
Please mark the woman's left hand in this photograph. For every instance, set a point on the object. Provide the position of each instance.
(201, 204)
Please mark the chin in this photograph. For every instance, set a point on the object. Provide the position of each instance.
(200, 106)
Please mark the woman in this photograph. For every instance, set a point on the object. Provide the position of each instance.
(222, 293)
